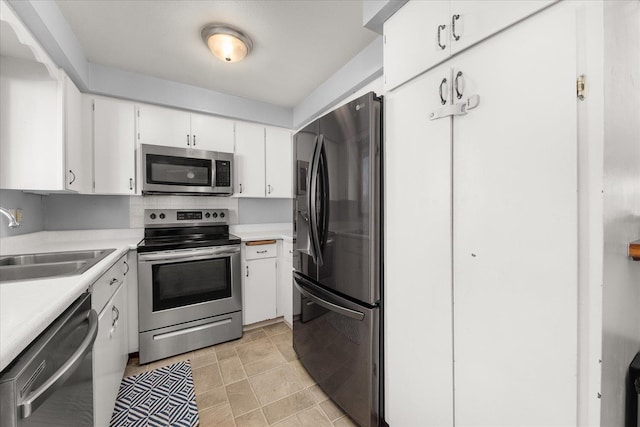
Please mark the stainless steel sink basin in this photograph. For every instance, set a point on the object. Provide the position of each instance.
(54, 264)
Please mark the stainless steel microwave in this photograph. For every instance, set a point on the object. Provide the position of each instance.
(172, 170)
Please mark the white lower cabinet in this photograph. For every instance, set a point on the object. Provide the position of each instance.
(259, 278)
(110, 354)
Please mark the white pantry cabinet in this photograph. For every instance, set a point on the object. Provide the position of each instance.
(110, 355)
(259, 281)
(278, 163)
(487, 272)
(177, 128)
(114, 146)
(284, 291)
(249, 160)
(422, 34)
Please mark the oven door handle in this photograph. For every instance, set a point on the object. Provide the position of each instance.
(186, 255)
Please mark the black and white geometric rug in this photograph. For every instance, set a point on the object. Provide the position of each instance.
(162, 397)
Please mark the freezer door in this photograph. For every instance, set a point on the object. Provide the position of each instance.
(348, 199)
(337, 343)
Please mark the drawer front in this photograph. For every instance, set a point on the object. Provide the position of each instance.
(259, 250)
(108, 284)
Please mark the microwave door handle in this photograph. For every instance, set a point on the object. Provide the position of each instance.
(37, 397)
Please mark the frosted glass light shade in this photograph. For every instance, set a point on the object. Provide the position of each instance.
(227, 43)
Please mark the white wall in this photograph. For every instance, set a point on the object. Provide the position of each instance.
(621, 287)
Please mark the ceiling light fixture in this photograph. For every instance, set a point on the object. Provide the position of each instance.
(226, 42)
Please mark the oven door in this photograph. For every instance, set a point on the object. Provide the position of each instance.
(188, 284)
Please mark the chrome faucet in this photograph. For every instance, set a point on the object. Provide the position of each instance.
(13, 223)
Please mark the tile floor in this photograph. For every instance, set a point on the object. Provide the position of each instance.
(255, 381)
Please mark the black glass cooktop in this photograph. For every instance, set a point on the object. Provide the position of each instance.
(166, 239)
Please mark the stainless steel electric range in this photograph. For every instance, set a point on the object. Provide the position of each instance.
(189, 284)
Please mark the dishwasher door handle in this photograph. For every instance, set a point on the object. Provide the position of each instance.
(42, 393)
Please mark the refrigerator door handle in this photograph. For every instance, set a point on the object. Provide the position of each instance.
(299, 282)
(313, 208)
(324, 209)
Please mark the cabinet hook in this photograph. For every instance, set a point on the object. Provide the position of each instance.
(457, 85)
(454, 18)
(443, 100)
(440, 28)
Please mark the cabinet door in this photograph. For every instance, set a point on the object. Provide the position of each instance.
(109, 357)
(284, 294)
(78, 170)
(114, 146)
(259, 293)
(515, 228)
(471, 20)
(211, 133)
(278, 162)
(418, 254)
(411, 40)
(163, 126)
(249, 159)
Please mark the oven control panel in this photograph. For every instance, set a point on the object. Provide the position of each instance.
(166, 217)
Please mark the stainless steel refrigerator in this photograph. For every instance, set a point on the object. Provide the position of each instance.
(337, 297)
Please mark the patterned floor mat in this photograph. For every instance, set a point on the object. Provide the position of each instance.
(162, 397)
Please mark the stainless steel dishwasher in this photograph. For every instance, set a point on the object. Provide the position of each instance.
(50, 383)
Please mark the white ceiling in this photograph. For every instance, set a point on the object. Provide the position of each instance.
(298, 44)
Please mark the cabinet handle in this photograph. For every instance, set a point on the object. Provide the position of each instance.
(73, 175)
(240, 188)
(127, 265)
(440, 28)
(454, 18)
(113, 281)
(130, 183)
(443, 100)
(194, 140)
(456, 85)
(290, 251)
(115, 310)
(268, 189)
(247, 271)
(188, 139)
(261, 252)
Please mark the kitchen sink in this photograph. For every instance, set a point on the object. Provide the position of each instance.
(53, 264)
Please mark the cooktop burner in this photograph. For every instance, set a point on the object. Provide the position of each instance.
(171, 229)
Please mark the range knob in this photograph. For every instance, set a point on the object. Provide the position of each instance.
(161, 216)
(221, 214)
(152, 216)
(215, 215)
(207, 215)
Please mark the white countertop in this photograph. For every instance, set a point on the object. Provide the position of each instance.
(249, 232)
(28, 307)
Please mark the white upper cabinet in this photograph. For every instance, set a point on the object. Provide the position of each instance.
(415, 38)
(250, 160)
(422, 34)
(278, 162)
(472, 20)
(177, 128)
(164, 126)
(114, 146)
(211, 133)
(78, 148)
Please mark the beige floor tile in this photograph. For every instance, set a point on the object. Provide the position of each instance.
(283, 408)
(202, 359)
(231, 370)
(317, 393)
(292, 421)
(264, 364)
(344, 422)
(241, 398)
(252, 419)
(211, 398)
(220, 416)
(256, 351)
(276, 328)
(275, 384)
(331, 410)
(133, 361)
(207, 378)
(204, 351)
(287, 351)
(169, 361)
(132, 370)
(225, 353)
(255, 334)
(313, 417)
(302, 373)
(283, 338)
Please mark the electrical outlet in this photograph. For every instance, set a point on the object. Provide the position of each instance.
(17, 214)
